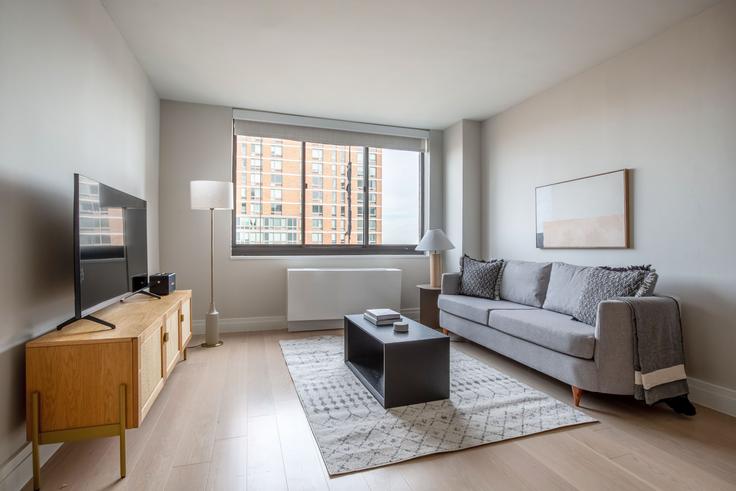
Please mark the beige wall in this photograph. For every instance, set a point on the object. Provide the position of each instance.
(72, 99)
(667, 110)
(196, 143)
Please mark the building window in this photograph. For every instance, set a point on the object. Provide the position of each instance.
(387, 220)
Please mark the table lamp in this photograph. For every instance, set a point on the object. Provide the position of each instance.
(212, 195)
(435, 241)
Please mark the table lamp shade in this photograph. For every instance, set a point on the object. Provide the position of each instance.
(435, 240)
(209, 195)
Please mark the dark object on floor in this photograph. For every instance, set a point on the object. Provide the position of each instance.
(681, 405)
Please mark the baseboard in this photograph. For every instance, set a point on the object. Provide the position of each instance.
(245, 324)
(714, 396)
(17, 471)
(267, 323)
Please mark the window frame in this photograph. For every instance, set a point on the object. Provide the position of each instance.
(304, 249)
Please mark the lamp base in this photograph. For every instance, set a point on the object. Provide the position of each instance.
(435, 269)
(205, 345)
(212, 329)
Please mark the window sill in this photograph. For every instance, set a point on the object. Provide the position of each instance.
(302, 257)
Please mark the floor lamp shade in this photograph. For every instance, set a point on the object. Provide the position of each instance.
(435, 241)
(211, 195)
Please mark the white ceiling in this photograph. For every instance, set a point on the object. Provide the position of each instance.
(419, 63)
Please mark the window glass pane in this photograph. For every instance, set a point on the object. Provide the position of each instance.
(393, 198)
(339, 201)
(268, 203)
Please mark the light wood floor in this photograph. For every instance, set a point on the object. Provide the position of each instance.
(229, 419)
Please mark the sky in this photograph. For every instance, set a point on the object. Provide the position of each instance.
(400, 197)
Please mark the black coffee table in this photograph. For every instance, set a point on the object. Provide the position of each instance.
(398, 369)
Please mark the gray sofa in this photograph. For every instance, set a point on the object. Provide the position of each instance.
(532, 324)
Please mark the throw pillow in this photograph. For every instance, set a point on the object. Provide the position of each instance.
(479, 278)
(605, 283)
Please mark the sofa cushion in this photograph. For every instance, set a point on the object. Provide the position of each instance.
(566, 284)
(525, 282)
(558, 332)
(473, 308)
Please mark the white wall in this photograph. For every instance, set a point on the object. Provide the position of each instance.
(461, 192)
(667, 110)
(196, 143)
(72, 99)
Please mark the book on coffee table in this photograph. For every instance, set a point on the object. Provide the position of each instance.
(382, 317)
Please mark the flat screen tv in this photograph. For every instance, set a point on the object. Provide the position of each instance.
(110, 246)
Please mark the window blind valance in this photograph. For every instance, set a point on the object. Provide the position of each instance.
(332, 136)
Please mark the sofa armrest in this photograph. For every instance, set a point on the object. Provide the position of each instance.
(450, 283)
(614, 347)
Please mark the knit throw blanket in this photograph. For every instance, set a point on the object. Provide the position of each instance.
(659, 360)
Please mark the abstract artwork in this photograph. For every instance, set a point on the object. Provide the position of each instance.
(586, 213)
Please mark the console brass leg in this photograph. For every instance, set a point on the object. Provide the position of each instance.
(122, 430)
(35, 441)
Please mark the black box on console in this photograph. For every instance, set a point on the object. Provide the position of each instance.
(163, 283)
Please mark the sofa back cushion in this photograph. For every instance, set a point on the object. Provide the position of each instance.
(566, 285)
(479, 278)
(525, 282)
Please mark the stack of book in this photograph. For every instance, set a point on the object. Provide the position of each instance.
(382, 317)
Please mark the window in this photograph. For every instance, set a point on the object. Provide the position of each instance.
(302, 178)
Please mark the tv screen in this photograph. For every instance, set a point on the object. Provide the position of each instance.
(110, 248)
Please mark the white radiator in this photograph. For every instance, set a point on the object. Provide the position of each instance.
(318, 298)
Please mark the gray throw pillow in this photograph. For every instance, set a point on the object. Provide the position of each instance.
(566, 284)
(605, 283)
(525, 282)
(479, 278)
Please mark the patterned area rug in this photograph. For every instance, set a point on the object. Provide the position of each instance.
(354, 432)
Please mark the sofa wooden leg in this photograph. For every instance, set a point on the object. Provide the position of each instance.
(445, 331)
(577, 394)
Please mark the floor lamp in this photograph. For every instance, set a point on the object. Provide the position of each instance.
(435, 241)
(212, 195)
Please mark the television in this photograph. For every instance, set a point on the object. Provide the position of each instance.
(110, 247)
